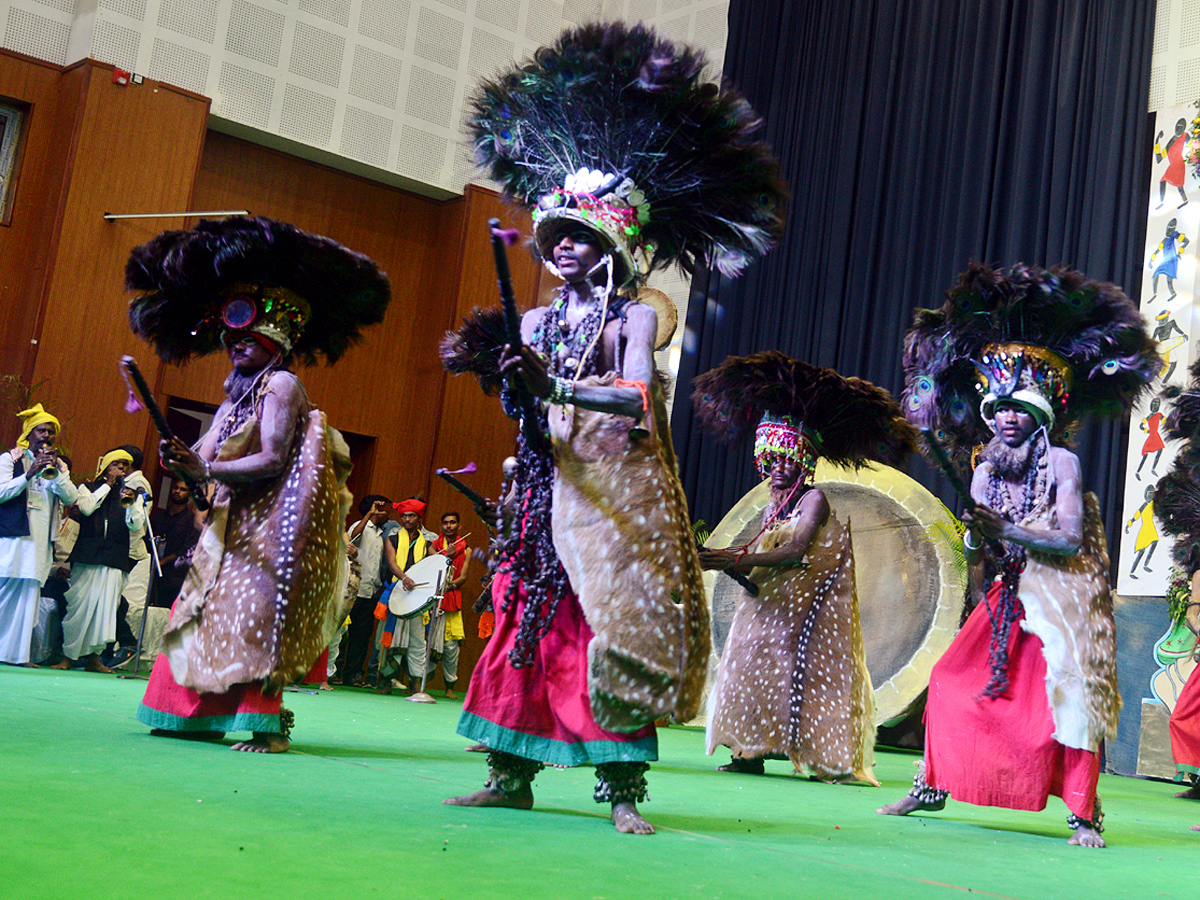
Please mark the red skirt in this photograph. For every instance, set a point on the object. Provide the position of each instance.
(172, 707)
(1185, 726)
(542, 711)
(1000, 751)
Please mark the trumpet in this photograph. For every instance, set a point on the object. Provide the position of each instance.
(128, 499)
(50, 472)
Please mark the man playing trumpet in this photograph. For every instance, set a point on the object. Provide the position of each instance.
(34, 488)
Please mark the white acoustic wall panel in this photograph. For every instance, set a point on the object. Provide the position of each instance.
(196, 19)
(382, 82)
(1175, 66)
(36, 34)
(179, 65)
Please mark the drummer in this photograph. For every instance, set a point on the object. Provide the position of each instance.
(403, 637)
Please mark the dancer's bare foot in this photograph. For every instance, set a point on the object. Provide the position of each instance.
(478, 748)
(324, 686)
(908, 804)
(519, 799)
(188, 735)
(1086, 837)
(744, 766)
(264, 742)
(383, 687)
(94, 665)
(63, 663)
(450, 695)
(1192, 793)
(30, 665)
(628, 820)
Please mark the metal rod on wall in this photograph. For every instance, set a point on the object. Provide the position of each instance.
(112, 217)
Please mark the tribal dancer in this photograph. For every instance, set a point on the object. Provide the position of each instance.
(1177, 505)
(1020, 702)
(266, 590)
(793, 680)
(601, 621)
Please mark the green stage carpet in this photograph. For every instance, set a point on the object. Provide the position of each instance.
(92, 806)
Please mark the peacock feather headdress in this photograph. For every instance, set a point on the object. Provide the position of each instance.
(1060, 344)
(306, 293)
(615, 129)
(802, 411)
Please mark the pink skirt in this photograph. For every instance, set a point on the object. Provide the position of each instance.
(1000, 751)
(542, 711)
(172, 707)
(1185, 726)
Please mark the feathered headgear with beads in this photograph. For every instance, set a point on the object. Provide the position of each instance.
(1059, 344)
(614, 128)
(802, 411)
(307, 294)
(1177, 495)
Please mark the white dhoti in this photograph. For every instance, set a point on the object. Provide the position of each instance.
(92, 599)
(136, 586)
(19, 599)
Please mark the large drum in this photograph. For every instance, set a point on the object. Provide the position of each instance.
(909, 571)
(430, 576)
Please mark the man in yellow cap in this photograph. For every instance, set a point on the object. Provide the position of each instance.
(100, 562)
(34, 487)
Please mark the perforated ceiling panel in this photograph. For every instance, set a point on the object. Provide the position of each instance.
(65, 6)
(382, 82)
(134, 9)
(420, 154)
(115, 44)
(366, 136)
(317, 54)
(375, 76)
(439, 38)
(244, 95)
(488, 55)
(307, 116)
(1175, 64)
(196, 19)
(179, 65)
(430, 97)
(335, 11)
(255, 32)
(502, 13)
(385, 21)
(37, 36)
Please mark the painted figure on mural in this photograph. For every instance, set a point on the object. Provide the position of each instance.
(1146, 540)
(1170, 248)
(1153, 445)
(1170, 338)
(1175, 173)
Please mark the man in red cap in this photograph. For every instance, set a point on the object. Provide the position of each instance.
(403, 637)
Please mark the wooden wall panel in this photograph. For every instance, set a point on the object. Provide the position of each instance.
(473, 428)
(387, 387)
(133, 149)
(26, 240)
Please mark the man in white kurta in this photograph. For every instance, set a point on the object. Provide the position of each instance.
(31, 505)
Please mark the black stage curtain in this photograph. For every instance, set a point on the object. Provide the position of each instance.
(918, 135)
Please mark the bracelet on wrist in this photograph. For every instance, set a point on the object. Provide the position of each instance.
(562, 390)
(967, 541)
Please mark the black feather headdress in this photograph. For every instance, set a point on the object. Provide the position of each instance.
(851, 421)
(614, 127)
(184, 278)
(1069, 346)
